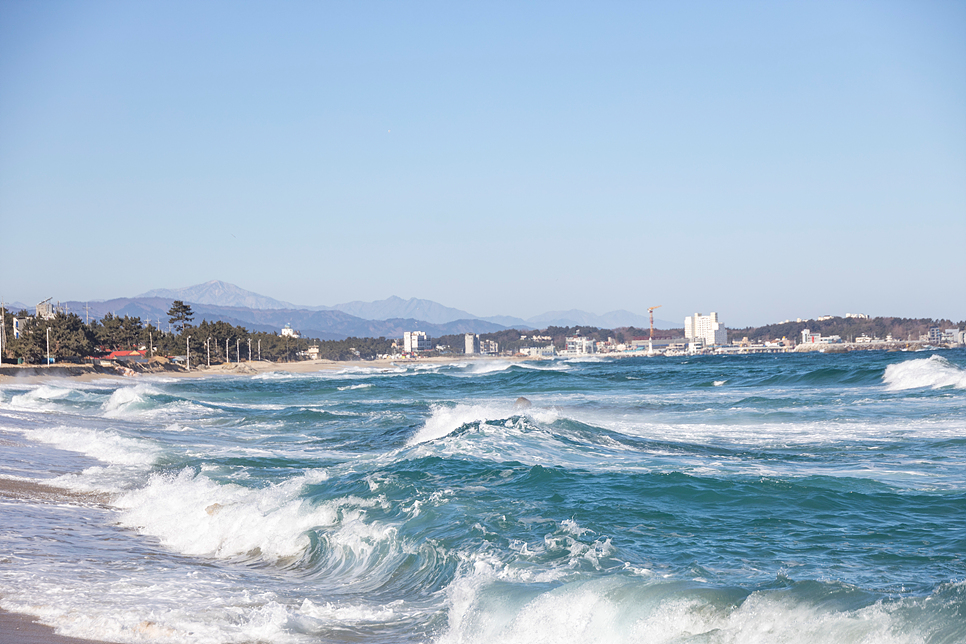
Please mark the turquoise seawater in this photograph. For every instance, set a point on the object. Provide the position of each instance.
(780, 498)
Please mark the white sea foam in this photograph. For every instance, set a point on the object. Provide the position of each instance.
(193, 514)
(117, 608)
(104, 445)
(445, 420)
(623, 610)
(933, 372)
(42, 397)
(351, 613)
(125, 399)
(364, 385)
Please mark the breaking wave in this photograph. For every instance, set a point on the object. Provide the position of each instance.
(934, 372)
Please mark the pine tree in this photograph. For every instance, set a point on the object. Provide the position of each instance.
(180, 313)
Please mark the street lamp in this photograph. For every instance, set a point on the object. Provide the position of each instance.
(48, 346)
(187, 347)
(208, 349)
(227, 357)
(249, 349)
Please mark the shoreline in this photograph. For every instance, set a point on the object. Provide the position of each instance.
(33, 374)
(21, 628)
(24, 628)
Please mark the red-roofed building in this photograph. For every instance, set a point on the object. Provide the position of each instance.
(127, 356)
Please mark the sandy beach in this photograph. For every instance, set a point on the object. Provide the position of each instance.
(34, 374)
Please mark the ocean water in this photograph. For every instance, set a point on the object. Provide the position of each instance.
(780, 498)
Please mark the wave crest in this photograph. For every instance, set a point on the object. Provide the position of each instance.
(934, 372)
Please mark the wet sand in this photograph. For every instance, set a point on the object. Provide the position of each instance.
(17, 628)
(35, 491)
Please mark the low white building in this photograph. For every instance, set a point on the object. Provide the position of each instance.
(817, 338)
(539, 352)
(695, 346)
(706, 328)
(953, 336)
(414, 341)
(289, 332)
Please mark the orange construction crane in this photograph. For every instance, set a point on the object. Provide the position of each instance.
(650, 310)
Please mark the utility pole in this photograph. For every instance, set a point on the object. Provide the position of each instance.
(208, 349)
(151, 341)
(650, 343)
(3, 329)
(48, 346)
(238, 350)
(249, 349)
(227, 357)
(259, 349)
(187, 345)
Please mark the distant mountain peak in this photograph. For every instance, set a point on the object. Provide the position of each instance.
(219, 293)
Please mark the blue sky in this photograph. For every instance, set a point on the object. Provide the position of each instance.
(763, 160)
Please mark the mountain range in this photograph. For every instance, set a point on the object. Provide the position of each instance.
(217, 300)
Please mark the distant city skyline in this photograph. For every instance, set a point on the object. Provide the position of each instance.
(764, 161)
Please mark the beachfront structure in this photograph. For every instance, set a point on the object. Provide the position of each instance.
(414, 341)
(580, 346)
(658, 344)
(472, 343)
(539, 352)
(489, 347)
(705, 328)
(695, 345)
(289, 332)
(817, 338)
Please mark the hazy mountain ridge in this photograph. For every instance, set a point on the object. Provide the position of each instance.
(396, 307)
(326, 324)
(218, 293)
(216, 300)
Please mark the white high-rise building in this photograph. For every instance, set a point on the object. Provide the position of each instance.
(472, 343)
(706, 328)
(416, 341)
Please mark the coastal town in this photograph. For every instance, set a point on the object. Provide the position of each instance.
(703, 335)
(52, 335)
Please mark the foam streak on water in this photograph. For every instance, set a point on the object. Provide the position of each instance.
(797, 498)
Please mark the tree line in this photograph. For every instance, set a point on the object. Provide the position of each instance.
(846, 328)
(70, 338)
